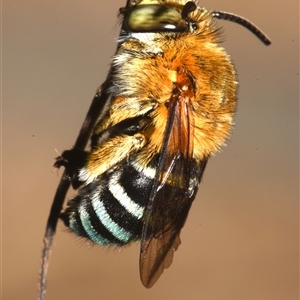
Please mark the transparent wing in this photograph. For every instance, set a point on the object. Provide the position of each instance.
(173, 191)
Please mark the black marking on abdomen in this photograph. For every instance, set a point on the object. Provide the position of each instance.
(109, 210)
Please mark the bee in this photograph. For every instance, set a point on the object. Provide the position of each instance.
(166, 107)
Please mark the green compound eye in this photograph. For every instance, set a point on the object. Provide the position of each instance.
(155, 18)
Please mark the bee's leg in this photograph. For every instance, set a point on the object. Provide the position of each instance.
(113, 151)
(80, 143)
(72, 160)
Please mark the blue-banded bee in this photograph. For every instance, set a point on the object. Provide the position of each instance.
(167, 105)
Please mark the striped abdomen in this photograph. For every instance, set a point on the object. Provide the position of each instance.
(109, 210)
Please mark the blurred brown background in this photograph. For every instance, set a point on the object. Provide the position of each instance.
(241, 237)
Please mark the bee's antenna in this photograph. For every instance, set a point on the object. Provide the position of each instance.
(244, 22)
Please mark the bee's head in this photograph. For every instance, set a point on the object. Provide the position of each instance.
(147, 16)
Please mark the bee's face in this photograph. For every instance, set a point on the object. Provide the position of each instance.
(157, 17)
